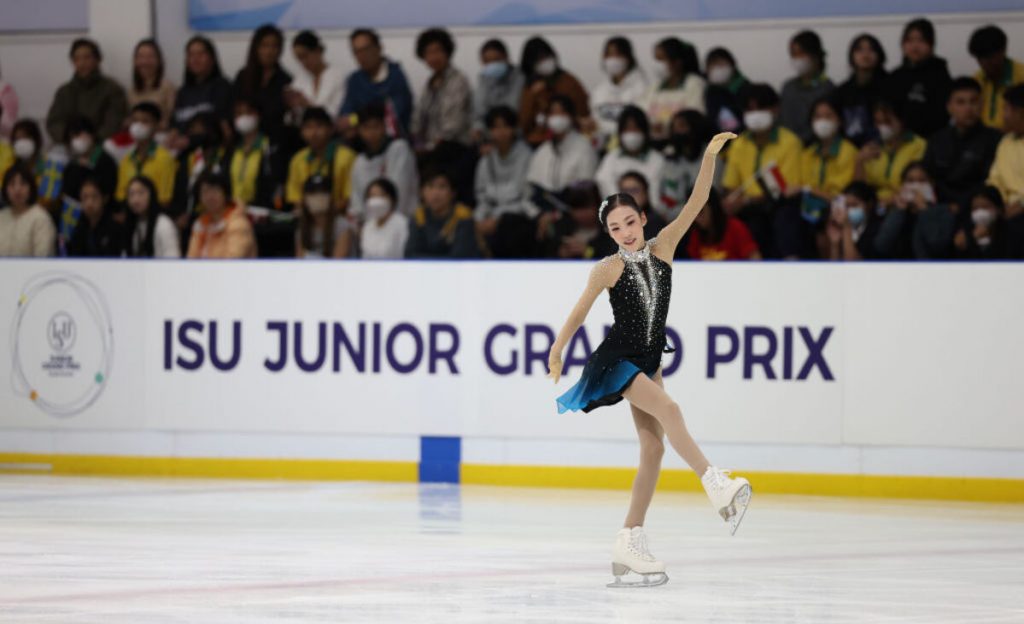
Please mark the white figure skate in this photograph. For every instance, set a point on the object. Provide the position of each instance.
(630, 554)
(729, 496)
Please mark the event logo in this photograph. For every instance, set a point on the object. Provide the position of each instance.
(62, 343)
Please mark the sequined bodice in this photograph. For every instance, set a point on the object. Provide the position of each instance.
(640, 300)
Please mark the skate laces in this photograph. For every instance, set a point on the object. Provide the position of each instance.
(638, 544)
(719, 477)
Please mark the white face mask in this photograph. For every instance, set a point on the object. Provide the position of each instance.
(801, 65)
(925, 189)
(140, 131)
(886, 132)
(246, 123)
(982, 217)
(377, 207)
(24, 148)
(824, 129)
(615, 66)
(559, 124)
(318, 203)
(632, 141)
(661, 70)
(546, 67)
(720, 74)
(758, 120)
(81, 144)
(494, 69)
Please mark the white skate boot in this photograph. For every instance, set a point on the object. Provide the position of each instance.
(630, 554)
(729, 496)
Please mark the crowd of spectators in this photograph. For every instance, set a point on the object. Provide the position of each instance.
(904, 162)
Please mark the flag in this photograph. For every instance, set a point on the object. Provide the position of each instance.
(771, 181)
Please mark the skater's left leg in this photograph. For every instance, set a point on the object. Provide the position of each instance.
(653, 399)
(652, 449)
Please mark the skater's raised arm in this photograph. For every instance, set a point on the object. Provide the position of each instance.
(599, 279)
(671, 234)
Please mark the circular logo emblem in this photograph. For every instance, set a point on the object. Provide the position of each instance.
(60, 331)
(62, 343)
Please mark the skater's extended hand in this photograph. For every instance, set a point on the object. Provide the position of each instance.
(554, 367)
(718, 142)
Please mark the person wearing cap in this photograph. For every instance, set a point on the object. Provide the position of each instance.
(322, 156)
(147, 158)
(223, 229)
(323, 231)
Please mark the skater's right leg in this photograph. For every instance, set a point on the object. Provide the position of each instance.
(652, 398)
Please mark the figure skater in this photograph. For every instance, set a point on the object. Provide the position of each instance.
(627, 364)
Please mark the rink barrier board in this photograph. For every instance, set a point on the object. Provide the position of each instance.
(847, 485)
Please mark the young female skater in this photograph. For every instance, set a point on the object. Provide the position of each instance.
(627, 364)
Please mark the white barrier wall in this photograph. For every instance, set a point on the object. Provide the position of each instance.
(857, 368)
(37, 63)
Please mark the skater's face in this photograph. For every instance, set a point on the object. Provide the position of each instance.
(626, 227)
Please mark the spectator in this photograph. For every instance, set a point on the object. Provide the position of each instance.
(88, 160)
(317, 83)
(807, 57)
(256, 168)
(263, 81)
(880, 162)
(49, 171)
(766, 151)
(26, 229)
(386, 230)
(998, 72)
(88, 94)
(917, 225)
(1007, 172)
(441, 228)
(377, 80)
(722, 96)
(689, 134)
(827, 164)
(382, 157)
(920, 86)
(567, 156)
(148, 81)
(678, 85)
(958, 156)
(545, 80)
(856, 97)
(444, 111)
(205, 90)
(8, 112)
(147, 158)
(504, 215)
(853, 223)
(323, 157)
(97, 233)
(990, 235)
(635, 184)
(718, 236)
(624, 85)
(500, 84)
(634, 153)
(223, 230)
(7, 157)
(323, 231)
(206, 151)
(576, 231)
(152, 233)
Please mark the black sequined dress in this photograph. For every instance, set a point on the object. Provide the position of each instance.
(637, 339)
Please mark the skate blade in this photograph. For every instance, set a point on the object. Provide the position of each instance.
(742, 499)
(654, 579)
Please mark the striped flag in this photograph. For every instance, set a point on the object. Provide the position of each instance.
(771, 180)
